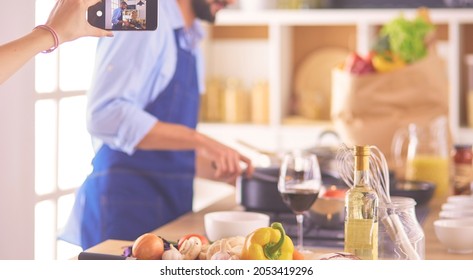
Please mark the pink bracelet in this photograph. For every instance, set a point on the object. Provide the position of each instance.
(53, 32)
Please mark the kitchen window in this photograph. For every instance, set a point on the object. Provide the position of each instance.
(63, 150)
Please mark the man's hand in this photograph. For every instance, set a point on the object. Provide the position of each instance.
(219, 162)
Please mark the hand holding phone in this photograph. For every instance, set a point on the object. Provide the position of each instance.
(124, 15)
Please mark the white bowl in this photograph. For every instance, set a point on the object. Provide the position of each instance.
(461, 199)
(456, 213)
(457, 206)
(226, 224)
(455, 234)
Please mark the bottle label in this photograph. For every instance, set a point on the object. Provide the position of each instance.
(361, 238)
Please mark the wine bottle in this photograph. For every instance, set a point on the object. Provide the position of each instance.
(361, 206)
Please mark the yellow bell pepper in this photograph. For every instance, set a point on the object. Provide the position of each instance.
(268, 243)
(387, 62)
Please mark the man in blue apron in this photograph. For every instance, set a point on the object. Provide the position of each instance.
(142, 113)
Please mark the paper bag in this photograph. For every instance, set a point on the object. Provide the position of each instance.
(369, 109)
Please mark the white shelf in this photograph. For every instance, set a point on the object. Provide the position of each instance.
(276, 55)
(323, 17)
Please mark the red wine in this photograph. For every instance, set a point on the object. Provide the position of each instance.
(299, 200)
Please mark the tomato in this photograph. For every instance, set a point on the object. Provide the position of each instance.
(202, 238)
(336, 193)
(297, 255)
(357, 65)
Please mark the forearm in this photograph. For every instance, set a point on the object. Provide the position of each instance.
(214, 161)
(15, 54)
(167, 136)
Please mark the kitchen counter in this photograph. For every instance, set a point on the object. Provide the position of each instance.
(194, 223)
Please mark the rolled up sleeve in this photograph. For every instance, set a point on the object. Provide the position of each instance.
(120, 125)
(129, 74)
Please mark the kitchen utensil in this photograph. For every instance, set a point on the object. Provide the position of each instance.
(260, 192)
(427, 156)
(390, 243)
(299, 184)
(455, 214)
(99, 256)
(312, 82)
(455, 234)
(421, 191)
(326, 147)
(457, 206)
(224, 224)
(460, 199)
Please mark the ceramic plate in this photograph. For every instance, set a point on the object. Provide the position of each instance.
(312, 83)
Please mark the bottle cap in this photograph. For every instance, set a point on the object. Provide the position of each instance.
(362, 150)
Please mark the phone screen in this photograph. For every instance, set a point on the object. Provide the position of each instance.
(128, 15)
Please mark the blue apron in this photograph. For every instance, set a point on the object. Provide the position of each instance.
(126, 196)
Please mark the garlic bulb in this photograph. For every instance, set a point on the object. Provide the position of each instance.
(203, 252)
(216, 247)
(223, 253)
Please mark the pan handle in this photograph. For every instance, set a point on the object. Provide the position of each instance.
(264, 177)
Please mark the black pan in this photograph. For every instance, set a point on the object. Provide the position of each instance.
(260, 192)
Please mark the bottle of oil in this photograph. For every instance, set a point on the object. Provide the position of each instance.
(361, 206)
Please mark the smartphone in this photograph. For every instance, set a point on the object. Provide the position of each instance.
(124, 15)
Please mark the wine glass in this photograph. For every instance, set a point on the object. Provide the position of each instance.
(299, 185)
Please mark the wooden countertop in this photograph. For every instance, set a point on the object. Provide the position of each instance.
(194, 223)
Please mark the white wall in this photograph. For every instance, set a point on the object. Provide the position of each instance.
(17, 146)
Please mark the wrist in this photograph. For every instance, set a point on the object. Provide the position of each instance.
(52, 33)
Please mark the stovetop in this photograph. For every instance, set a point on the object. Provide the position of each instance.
(314, 235)
(317, 236)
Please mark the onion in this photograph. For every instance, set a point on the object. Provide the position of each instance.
(148, 247)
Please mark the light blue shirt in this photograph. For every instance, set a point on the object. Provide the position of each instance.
(116, 14)
(131, 69)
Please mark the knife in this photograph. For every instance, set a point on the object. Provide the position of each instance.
(99, 256)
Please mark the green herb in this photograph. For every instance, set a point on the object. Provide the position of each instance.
(407, 37)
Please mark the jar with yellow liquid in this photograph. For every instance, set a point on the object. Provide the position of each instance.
(427, 156)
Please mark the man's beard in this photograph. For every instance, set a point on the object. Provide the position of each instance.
(202, 10)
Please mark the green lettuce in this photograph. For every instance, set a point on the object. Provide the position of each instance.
(407, 37)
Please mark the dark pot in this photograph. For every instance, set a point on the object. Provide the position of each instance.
(260, 193)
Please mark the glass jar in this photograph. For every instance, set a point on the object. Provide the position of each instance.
(400, 235)
(463, 169)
